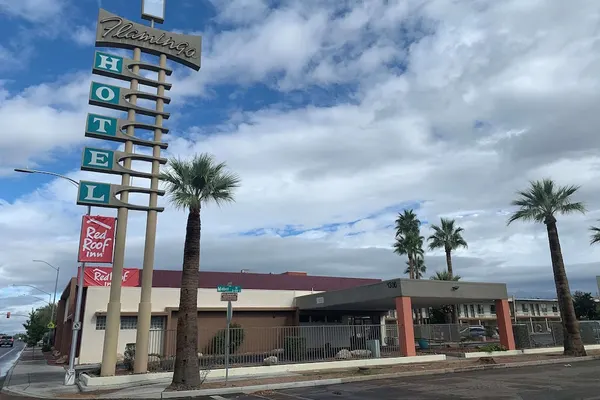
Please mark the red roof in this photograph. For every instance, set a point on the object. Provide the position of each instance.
(286, 281)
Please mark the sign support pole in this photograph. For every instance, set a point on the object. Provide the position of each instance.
(145, 306)
(227, 342)
(113, 309)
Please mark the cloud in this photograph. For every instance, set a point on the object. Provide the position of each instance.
(32, 10)
(451, 106)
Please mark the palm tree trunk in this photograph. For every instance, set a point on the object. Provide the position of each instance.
(411, 267)
(573, 345)
(186, 375)
(450, 276)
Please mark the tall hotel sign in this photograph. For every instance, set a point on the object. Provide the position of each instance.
(115, 31)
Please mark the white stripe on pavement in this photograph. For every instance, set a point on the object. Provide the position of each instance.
(5, 354)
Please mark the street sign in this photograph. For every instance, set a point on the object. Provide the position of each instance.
(229, 296)
(77, 326)
(229, 289)
(51, 325)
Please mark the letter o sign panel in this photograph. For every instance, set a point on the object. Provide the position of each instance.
(105, 93)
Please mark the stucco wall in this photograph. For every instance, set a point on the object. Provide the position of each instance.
(163, 298)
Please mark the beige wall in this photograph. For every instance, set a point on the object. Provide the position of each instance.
(162, 298)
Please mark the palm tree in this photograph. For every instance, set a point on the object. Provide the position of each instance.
(408, 239)
(444, 276)
(411, 244)
(419, 267)
(191, 184)
(540, 203)
(447, 237)
(595, 238)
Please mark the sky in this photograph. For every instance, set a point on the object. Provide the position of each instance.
(336, 116)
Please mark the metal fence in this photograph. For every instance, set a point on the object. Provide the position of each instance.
(550, 334)
(280, 345)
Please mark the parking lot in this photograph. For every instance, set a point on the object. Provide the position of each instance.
(578, 381)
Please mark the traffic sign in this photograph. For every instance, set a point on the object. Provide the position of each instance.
(229, 289)
(229, 296)
(77, 326)
(51, 325)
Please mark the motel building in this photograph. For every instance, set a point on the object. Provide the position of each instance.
(330, 312)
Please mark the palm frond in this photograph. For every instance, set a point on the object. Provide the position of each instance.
(595, 237)
(446, 236)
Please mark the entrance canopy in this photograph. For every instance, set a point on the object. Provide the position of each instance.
(423, 293)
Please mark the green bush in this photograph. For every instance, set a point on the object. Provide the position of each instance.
(236, 338)
(46, 348)
(129, 356)
(493, 347)
(294, 347)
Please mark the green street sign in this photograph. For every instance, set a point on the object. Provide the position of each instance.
(103, 93)
(108, 62)
(229, 289)
(101, 125)
(94, 193)
(97, 159)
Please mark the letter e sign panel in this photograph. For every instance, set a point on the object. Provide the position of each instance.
(97, 239)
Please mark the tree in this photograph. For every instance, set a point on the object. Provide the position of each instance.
(540, 203)
(595, 236)
(448, 237)
(409, 241)
(585, 306)
(36, 326)
(419, 267)
(190, 185)
(444, 276)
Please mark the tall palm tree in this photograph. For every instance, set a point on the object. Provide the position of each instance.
(540, 203)
(444, 276)
(595, 236)
(411, 244)
(191, 184)
(448, 237)
(408, 238)
(419, 267)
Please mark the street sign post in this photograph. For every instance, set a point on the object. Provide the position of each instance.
(229, 289)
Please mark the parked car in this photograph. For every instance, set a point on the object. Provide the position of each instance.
(7, 341)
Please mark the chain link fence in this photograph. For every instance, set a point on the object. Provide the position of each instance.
(541, 334)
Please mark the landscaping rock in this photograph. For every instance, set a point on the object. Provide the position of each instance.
(343, 355)
(361, 353)
(272, 360)
(61, 360)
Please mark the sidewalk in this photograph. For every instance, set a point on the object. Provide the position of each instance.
(33, 377)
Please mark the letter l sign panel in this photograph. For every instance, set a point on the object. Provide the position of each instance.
(93, 192)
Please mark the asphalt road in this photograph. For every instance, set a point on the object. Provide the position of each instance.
(547, 382)
(8, 356)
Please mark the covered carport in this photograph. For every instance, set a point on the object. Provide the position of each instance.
(404, 294)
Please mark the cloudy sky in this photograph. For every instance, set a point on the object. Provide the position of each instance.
(337, 116)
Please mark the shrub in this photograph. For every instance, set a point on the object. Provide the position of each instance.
(493, 347)
(294, 347)
(236, 338)
(46, 348)
(129, 356)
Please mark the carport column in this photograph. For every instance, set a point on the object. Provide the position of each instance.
(505, 324)
(406, 330)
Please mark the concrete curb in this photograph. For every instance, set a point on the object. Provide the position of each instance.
(10, 371)
(337, 381)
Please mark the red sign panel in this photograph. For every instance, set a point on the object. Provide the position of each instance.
(102, 276)
(97, 239)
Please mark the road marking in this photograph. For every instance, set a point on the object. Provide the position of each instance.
(5, 354)
(218, 397)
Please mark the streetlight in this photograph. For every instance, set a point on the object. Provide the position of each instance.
(57, 269)
(36, 288)
(70, 373)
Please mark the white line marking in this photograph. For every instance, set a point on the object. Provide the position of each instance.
(5, 354)
(218, 397)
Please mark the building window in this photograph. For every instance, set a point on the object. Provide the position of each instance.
(466, 309)
(554, 309)
(157, 323)
(334, 319)
(524, 308)
(472, 308)
(537, 309)
(128, 322)
(480, 309)
(305, 319)
(493, 309)
(100, 323)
